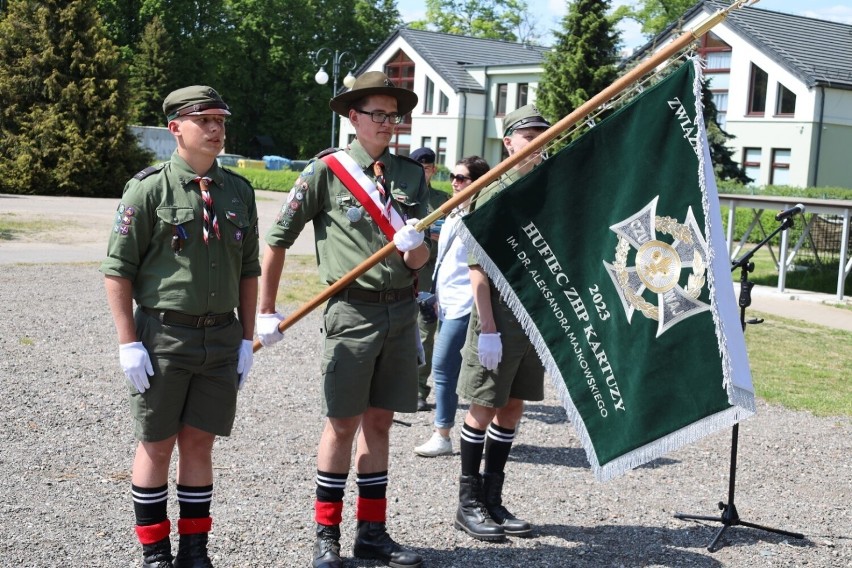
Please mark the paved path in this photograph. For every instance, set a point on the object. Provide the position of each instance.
(75, 229)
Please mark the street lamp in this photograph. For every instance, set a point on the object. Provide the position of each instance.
(322, 57)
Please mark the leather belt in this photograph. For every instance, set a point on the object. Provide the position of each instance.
(170, 317)
(381, 297)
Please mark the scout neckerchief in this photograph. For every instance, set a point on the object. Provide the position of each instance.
(375, 199)
(210, 220)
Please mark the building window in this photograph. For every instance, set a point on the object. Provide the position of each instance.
(429, 96)
(757, 91)
(786, 104)
(523, 94)
(751, 164)
(502, 93)
(780, 167)
(400, 69)
(717, 58)
(426, 142)
(441, 151)
(443, 103)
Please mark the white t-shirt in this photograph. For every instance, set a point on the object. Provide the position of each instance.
(452, 281)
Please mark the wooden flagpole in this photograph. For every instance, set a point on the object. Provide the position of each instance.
(494, 173)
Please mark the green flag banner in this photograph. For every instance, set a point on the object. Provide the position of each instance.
(612, 256)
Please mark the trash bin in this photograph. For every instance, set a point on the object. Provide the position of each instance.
(276, 162)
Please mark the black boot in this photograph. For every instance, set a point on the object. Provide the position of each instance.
(192, 552)
(471, 516)
(374, 542)
(327, 547)
(492, 488)
(157, 555)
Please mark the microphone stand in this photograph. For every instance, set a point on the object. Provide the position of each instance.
(729, 516)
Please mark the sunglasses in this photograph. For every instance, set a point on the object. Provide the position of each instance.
(460, 178)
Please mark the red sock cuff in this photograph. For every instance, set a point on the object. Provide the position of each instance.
(371, 510)
(195, 526)
(328, 513)
(149, 534)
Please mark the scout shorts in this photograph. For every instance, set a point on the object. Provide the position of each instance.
(520, 373)
(195, 378)
(370, 357)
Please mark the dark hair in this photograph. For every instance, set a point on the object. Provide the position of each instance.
(476, 166)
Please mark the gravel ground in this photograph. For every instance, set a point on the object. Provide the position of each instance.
(66, 447)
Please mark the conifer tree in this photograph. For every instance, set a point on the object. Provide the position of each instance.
(63, 124)
(153, 74)
(582, 62)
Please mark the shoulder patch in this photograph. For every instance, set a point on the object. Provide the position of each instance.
(326, 152)
(149, 170)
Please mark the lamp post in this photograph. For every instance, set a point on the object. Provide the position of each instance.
(323, 57)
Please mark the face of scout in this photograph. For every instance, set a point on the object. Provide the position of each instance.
(375, 137)
(518, 140)
(203, 134)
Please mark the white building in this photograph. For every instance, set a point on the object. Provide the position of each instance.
(783, 87)
(465, 86)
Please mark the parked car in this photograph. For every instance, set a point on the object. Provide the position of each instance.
(229, 159)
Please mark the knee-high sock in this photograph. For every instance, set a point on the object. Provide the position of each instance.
(328, 507)
(372, 501)
(498, 444)
(150, 507)
(471, 445)
(194, 509)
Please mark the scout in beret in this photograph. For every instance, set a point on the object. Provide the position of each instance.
(175, 223)
(358, 200)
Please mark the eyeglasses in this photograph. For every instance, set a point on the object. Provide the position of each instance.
(460, 178)
(380, 117)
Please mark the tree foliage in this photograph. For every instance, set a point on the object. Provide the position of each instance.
(654, 15)
(64, 123)
(582, 62)
(508, 20)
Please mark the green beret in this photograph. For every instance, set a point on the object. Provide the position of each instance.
(194, 100)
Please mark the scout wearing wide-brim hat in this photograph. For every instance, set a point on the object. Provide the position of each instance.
(527, 116)
(373, 83)
(193, 101)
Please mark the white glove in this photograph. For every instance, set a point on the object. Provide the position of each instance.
(267, 328)
(136, 364)
(490, 350)
(245, 361)
(408, 238)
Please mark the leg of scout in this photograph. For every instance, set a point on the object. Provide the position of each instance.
(472, 515)
(195, 492)
(150, 491)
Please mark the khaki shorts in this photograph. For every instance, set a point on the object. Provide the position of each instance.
(195, 378)
(520, 373)
(370, 357)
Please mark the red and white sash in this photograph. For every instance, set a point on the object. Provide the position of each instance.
(365, 191)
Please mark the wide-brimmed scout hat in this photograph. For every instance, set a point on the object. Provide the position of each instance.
(374, 83)
(527, 116)
(193, 101)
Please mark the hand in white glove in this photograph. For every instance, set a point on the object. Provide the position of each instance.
(136, 364)
(490, 350)
(245, 361)
(267, 328)
(408, 238)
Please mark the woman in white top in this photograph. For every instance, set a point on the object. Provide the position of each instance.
(455, 301)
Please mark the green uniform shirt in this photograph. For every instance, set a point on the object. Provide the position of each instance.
(158, 204)
(424, 283)
(342, 241)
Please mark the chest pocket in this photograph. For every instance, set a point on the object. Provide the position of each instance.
(175, 215)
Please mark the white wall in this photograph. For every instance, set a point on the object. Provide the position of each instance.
(158, 139)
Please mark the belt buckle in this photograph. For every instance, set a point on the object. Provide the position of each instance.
(391, 296)
(208, 321)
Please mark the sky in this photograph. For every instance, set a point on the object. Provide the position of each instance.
(549, 13)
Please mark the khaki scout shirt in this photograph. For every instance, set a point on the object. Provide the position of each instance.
(343, 243)
(201, 279)
(424, 283)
